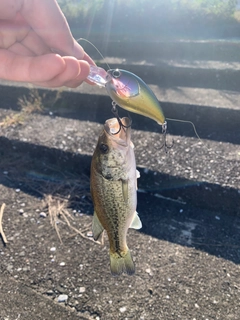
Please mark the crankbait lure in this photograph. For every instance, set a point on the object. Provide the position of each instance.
(129, 92)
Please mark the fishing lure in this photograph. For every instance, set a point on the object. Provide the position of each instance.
(129, 92)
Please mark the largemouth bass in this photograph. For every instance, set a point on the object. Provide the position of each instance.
(114, 192)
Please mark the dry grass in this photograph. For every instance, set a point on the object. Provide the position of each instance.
(58, 212)
(57, 205)
(32, 103)
(57, 198)
(12, 120)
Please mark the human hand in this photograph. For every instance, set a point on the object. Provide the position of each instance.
(36, 45)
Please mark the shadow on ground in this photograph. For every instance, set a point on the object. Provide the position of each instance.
(219, 124)
(190, 213)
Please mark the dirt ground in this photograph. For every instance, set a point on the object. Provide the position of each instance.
(187, 254)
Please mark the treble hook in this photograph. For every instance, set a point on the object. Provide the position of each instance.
(164, 132)
(115, 112)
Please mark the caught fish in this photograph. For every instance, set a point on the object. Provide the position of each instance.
(114, 191)
(129, 92)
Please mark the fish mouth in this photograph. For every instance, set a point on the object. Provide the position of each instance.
(121, 134)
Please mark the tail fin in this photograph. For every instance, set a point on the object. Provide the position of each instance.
(121, 263)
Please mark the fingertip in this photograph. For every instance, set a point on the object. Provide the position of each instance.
(78, 50)
(46, 67)
(81, 77)
(87, 58)
(84, 68)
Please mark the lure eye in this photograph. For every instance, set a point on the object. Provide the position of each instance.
(103, 148)
(116, 73)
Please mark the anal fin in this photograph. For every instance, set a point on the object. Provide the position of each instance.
(136, 222)
(97, 227)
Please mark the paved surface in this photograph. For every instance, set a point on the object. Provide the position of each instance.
(187, 254)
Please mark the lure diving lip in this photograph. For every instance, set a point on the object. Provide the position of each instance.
(98, 76)
(129, 92)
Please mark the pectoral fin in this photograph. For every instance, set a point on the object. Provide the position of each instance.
(97, 227)
(137, 174)
(136, 222)
(125, 190)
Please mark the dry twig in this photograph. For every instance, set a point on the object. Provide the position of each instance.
(1, 229)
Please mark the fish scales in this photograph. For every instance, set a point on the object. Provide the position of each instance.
(115, 213)
(113, 189)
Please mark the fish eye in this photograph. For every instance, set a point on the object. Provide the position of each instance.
(116, 73)
(103, 148)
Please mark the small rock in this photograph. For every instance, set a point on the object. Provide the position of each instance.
(62, 264)
(122, 309)
(20, 210)
(26, 269)
(149, 271)
(17, 190)
(5, 172)
(62, 298)
(22, 254)
(53, 249)
(49, 292)
(43, 214)
(82, 289)
(60, 289)
(217, 217)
